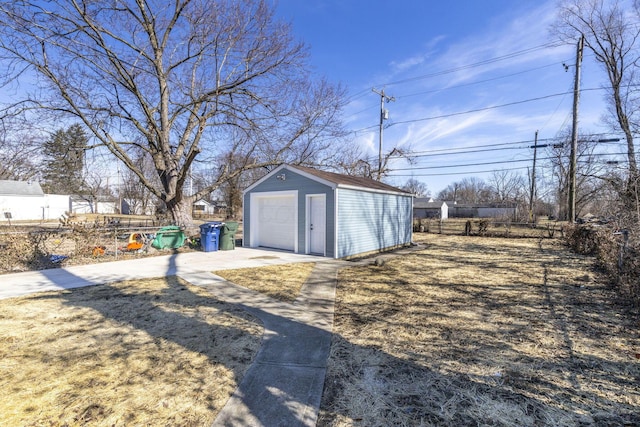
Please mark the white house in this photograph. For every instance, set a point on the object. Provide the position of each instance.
(202, 207)
(25, 201)
(428, 208)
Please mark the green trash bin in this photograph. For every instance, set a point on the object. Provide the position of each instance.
(228, 236)
(171, 237)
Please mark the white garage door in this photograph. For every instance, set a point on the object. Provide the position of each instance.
(276, 222)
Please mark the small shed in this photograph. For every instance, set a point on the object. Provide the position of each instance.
(428, 208)
(305, 210)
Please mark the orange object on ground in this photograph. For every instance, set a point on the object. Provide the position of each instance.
(134, 246)
(136, 241)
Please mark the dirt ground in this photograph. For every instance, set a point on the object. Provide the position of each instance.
(480, 331)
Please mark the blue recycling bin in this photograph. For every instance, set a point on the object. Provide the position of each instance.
(209, 236)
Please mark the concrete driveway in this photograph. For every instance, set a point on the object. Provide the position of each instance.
(16, 284)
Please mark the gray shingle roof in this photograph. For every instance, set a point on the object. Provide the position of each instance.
(354, 181)
(20, 188)
(427, 205)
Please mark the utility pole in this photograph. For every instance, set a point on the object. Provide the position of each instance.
(532, 193)
(384, 115)
(574, 135)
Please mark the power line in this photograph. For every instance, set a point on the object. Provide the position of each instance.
(493, 107)
(476, 110)
(504, 146)
(459, 173)
(497, 162)
(501, 144)
(364, 92)
(486, 150)
(428, 174)
(475, 64)
(504, 76)
(511, 55)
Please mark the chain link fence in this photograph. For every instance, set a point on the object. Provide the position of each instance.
(37, 248)
(489, 227)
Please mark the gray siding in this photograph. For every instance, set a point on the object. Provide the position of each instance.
(371, 221)
(304, 186)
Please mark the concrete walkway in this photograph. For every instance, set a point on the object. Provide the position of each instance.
(283, 386)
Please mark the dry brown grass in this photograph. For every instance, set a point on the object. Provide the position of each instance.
(155, 352)
(281, 282)
(469, 331)
(480, 331)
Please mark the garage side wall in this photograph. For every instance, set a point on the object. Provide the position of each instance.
(304, 186)
(38, 208)
(371, 221)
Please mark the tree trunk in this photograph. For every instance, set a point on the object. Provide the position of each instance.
(180, 210)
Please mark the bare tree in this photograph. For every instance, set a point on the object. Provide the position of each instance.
(20, 154)
(96, 181)
(417, 188)
(20, 150)
(138, 197)
(506, 186)
(171, 79)
(589, 179)
(469, 190)
(611, 33)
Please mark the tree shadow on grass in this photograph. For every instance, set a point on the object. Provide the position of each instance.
(370, 386)
(486, 355)
(158, 317)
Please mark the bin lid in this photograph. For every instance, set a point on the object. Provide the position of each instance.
(231, 226)
(208, 226)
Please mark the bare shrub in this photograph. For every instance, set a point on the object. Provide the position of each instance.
(616, 257)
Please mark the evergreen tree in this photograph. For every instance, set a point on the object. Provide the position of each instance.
(64, 160)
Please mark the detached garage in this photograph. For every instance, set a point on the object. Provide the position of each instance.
(309, 211)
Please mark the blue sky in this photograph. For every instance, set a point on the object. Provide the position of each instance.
(464, 73)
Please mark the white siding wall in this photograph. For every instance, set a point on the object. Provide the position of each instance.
(369, 221)
(22, 207)
(56, 205)
(34, 208)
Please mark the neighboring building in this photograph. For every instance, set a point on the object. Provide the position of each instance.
(483, 210)
(25, 201)
(202, 208)
(88, 205)
(305, 210)
(428, 208)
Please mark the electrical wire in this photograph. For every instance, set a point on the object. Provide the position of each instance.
(461, 152)
(511, 55)
(475, 64)
(493, 107)
(497, 162)
(476, 110)
(479, 81)
(457, 173)
(541, 142)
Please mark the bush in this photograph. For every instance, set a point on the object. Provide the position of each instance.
(619, 261)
